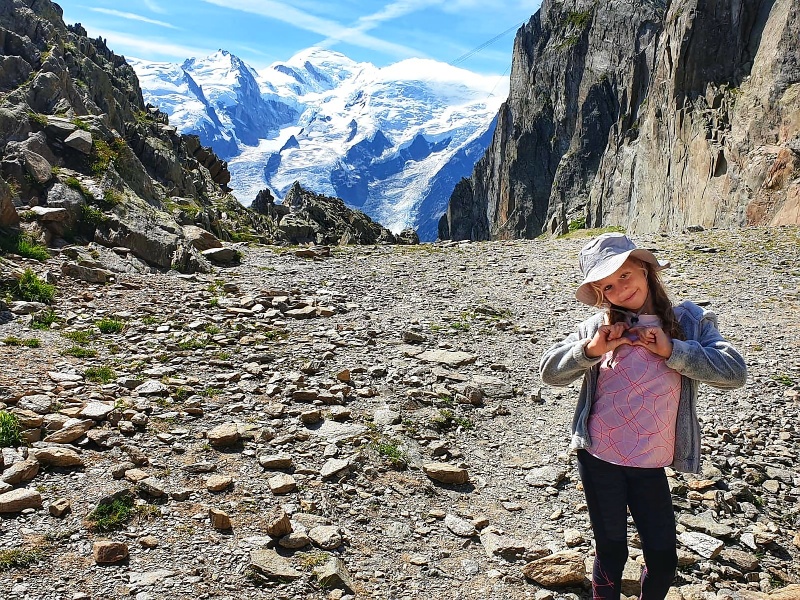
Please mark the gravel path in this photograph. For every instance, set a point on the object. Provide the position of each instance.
(314, 395)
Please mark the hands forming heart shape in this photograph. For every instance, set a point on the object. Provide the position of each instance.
(610, 337)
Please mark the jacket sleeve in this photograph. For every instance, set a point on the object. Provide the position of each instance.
(710, 359)
(564, 362)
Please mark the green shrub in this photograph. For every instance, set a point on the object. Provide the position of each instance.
(99, 374)
(108, 517)
(32, 289)
(102, 157)
(19, 558)
(112, 198)
(447, 420)
(579, 19)
(575, 224)
(391, 451)
(9, 430)
(30, 249)
(75, 184)
(93, 216)
(24, 246)
(109, 325)
(192, 344)
(80, 124)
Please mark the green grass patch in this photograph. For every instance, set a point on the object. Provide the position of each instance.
(579, 233)
(112, 198)
(783, 380)
(109, 325)
(113, 516)
(575, 224)
(193, 344)
(273, 335)
(100, 374)
(392, 452)
(9, 430)
(32, 289)
(446, 420)
(79, 337)
(37, 118)
(28, 248)
(80, 352)
(24, 246)
(103, 156)
(13, 340)
(75, 184)
(93, 216)
(44, 319)
(309, 560)
(19, 558)
(578, 19)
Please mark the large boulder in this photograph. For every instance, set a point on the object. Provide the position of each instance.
(200, 239)
(148, 234)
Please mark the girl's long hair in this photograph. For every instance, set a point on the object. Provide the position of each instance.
(662, 305)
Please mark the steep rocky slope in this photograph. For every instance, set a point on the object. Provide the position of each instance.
(83, 159)
(649, 115)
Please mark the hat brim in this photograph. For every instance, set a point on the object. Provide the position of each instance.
(585, 292)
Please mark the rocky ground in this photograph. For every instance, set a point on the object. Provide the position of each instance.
(371, 424)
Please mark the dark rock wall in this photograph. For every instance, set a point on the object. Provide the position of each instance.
(651, 115)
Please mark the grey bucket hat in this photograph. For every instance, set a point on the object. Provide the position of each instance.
(605, 254)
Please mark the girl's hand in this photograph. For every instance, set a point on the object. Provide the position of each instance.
(607, 339)
(654, 339)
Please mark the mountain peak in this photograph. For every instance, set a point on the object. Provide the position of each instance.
(391, 142)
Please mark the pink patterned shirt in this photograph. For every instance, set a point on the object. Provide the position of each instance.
(632, 422)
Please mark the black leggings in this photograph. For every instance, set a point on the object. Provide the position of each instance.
(611, 490)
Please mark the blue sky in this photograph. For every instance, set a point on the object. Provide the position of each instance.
(264, 31)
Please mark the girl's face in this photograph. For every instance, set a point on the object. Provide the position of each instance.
(627, 286)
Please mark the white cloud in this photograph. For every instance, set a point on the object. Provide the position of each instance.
(132, 17)
(149, 48)
(333, 31)
(155, 7)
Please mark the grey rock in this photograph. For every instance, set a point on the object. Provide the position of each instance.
(334, 574)
(326, 537)
(333, 467)
(546, 476)
(460, 527)
(271, 565)
(20, 499)
(704, 545)
(80, 140)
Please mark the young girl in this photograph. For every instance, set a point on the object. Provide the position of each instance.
(641, 360)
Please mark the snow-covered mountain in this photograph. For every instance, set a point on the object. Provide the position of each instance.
(390, 141)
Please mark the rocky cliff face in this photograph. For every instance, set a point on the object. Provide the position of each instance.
(83, 158)
(650, 115)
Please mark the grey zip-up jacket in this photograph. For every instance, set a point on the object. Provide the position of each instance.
(705, 356)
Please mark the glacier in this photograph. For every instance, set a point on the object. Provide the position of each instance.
(391, 141)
